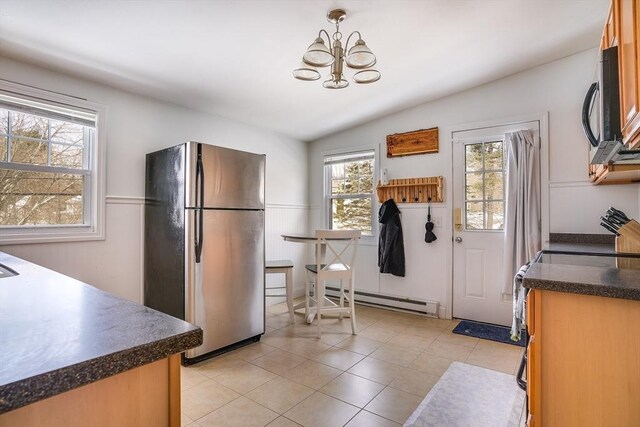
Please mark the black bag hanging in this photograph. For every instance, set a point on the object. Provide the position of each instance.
(429, 236)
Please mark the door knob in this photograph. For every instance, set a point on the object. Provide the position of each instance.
(458, 239)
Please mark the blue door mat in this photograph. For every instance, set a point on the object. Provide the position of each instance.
(487, 331)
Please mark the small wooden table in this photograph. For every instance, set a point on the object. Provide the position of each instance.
(308, 238)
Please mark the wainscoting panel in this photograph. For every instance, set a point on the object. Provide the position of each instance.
(115, 264)
(367, 272)
(282, 219)
(425, 262)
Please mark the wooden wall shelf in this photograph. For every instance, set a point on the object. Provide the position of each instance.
(412, 190)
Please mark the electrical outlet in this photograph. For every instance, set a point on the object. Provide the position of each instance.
(437, 221)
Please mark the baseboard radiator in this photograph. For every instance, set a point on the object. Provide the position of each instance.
(429, 308)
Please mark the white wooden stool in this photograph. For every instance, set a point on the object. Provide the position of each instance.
(282, 266)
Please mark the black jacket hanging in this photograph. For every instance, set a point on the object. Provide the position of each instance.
(391, 244)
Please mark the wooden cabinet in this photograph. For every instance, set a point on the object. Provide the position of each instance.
(533, 365)
(622, 29)
(583, 360)
(614, 174)
(628, 35)
(610, 31)
(145, 396)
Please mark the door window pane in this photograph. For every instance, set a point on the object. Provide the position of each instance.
(474, 216)
(493, 184)
(493, 156)
(473, 157)
(494, 215)
(474, 186)
(484, 186)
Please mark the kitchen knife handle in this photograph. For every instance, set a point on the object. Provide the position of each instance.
(619, 214)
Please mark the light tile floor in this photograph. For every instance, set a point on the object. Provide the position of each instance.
(291, 378)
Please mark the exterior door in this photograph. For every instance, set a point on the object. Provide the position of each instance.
(479, 203)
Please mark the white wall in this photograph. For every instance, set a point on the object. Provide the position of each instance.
(575, 206)
(138, 125)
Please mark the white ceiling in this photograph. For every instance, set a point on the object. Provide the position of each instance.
(234, 58)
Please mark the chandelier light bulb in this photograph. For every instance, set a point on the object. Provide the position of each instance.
(360, 56)
(318, 54)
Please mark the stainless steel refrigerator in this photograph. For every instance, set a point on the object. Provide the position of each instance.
(204, 242)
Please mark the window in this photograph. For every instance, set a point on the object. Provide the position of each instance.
(49, 167)
(484, 186)
(349, 191)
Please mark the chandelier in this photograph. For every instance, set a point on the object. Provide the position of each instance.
(359, 57)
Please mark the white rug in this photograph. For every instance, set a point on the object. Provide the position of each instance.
(470, 396)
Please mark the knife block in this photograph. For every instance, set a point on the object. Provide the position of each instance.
(628, 242)
(631, 230)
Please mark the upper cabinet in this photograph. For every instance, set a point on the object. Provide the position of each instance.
(628, 35)
(609, 35)
(622, 29)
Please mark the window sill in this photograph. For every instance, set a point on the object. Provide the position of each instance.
(12, 236)
(369, 241)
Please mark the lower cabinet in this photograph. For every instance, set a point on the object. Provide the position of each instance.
(583, 365)
(144, 396)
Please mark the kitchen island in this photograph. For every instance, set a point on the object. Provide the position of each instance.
(71, 354)
(583, 318)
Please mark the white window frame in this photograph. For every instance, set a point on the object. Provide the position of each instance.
(327, 188)
(94, 191)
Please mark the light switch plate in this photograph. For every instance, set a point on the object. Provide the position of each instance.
(437, 221)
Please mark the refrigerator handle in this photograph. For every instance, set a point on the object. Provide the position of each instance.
(199, 202)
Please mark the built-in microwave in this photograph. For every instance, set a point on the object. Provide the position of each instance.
(601, 111)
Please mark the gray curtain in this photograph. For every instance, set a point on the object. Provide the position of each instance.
(522, 237)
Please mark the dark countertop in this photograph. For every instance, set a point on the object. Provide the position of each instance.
(585, 248)
(608, 238)
(598, 281)
(586, 274)
(57, 334)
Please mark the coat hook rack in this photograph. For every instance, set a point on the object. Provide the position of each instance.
(422, 189)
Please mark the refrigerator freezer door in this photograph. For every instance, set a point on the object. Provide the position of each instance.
(225, 291)
(231, 179)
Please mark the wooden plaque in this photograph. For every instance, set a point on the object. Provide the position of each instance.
(424, 141)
